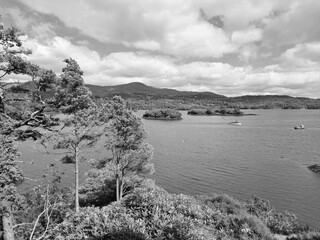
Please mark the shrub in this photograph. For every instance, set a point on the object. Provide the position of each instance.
(242, 226)
(306, 236)
(222, 202)
(280, 223)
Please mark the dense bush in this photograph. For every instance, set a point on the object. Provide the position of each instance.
(223, 203)
(153, 213)
(281, 223)
(305, 236)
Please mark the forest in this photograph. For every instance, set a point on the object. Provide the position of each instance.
(117, 200)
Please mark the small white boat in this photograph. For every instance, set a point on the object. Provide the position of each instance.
(236, 123)
(299, 127)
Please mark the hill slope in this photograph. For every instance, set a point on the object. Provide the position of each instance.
(136, 89)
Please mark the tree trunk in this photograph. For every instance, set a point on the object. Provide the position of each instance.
(1, 104)
(7, 224)
(117, 187)
(77, 178)
(120, 188)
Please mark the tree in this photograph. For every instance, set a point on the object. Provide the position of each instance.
(43, 79)
(125, 139)
(80, 131)
(11, 62)
(11, 57)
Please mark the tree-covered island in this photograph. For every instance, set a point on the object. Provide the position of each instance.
(162, 114)
(218, 112)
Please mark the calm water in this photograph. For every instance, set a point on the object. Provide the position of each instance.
(203, 154)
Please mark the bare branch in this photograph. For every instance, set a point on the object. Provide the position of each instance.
(21, 224)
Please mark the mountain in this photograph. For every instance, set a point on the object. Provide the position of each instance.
(140, 90)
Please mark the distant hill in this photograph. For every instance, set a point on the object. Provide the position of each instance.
(138, 90)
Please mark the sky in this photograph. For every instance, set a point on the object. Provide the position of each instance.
(229, 47)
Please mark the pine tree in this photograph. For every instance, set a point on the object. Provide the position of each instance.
(125, 136)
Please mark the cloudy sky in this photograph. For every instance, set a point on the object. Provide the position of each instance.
(229, 47)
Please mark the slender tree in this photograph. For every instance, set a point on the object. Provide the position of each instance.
(125, 136)
(80, 131)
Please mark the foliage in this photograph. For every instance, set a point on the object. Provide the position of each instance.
(314, 168)
(48, 203)
(197, 111)
(12, 52)
(152, 213)
(43, 79)
(223, 203)
(281, 223)
(71, 94)
(10, 176)
(213, 111)
(305, 236)
(98, 189)
(81, 131)
(162, 114)
(145, 214)
(125, 137)
(245, 102)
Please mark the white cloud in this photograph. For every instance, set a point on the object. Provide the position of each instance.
(172, 27)
(171, 46)
(304, 56)
(162, 71)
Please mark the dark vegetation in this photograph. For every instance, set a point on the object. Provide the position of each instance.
(220, 112)
(314, 168)
(116, 201)
(162, 114)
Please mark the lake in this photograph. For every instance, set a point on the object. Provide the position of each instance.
(264, 156)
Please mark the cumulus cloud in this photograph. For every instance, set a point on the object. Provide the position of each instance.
(164, 71)
(304, 56)
(173, 27)
(225, 46)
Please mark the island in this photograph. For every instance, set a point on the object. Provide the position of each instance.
(218, 112)
(314, 168)
(162, 114)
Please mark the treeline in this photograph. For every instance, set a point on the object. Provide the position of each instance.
(273, 102)
(258, 102)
